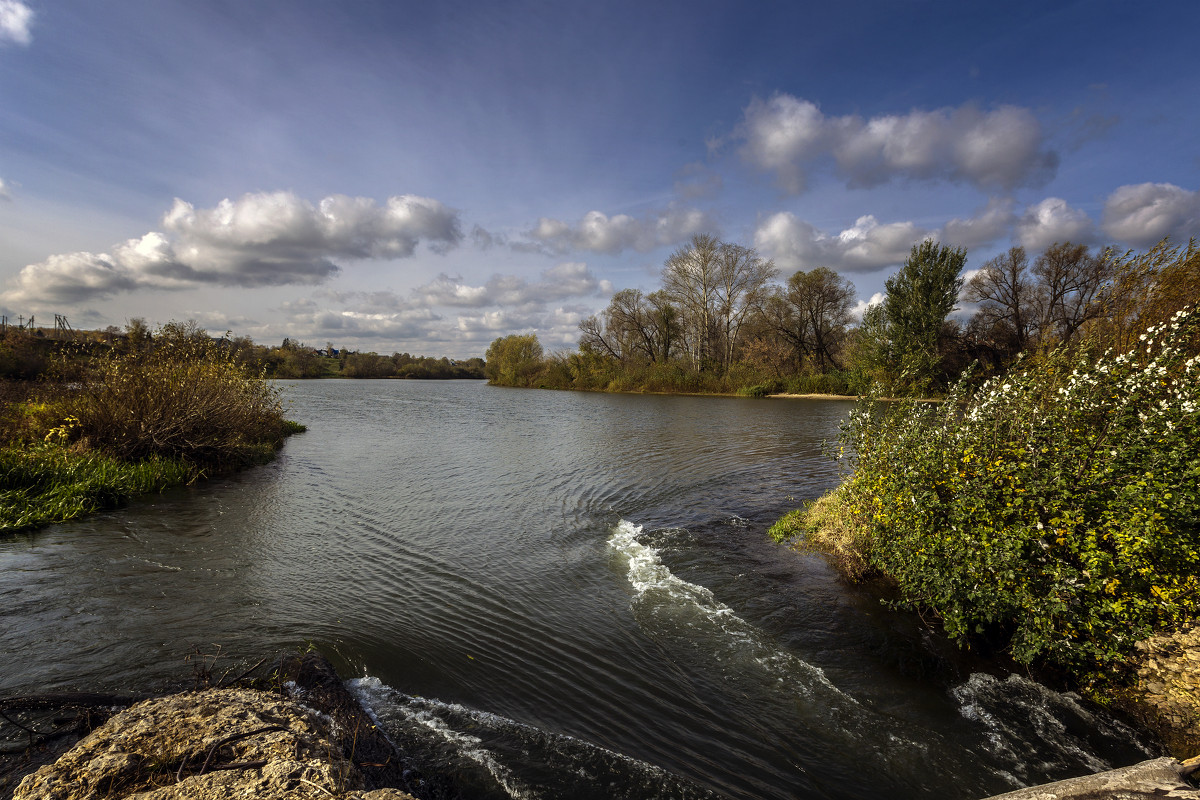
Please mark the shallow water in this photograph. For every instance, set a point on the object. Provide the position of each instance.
(547, 594)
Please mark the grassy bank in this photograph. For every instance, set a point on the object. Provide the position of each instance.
(1056, 508)
(100, 430)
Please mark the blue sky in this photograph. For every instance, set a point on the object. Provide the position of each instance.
(425, 177)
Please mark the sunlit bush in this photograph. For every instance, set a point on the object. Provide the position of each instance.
(1057, 505)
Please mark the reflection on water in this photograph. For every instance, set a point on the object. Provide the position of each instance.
(547, 592)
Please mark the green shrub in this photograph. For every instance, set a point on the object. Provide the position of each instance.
(1058, 505)
(761, 389)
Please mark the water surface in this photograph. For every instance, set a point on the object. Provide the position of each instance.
(546, 594)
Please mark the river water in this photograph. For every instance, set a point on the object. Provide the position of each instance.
(546, 594)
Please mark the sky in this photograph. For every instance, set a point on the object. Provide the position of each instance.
(396, 176)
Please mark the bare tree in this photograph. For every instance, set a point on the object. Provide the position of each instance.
(690, 279)
(633, 327)
(595, 338)
(741, 288)
(1073, 280)
(1012, 304)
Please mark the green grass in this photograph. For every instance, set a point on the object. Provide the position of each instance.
(133, 421)
(47, 483)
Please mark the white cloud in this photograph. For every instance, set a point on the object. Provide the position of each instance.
(788, 136)
(861, 306)
(601, 233)
(571, 279)
(266, 239)
(993, 222)
(1145, 213)
(1051, 221)
(15, 20)
(69, 278)
(5, 192)
(866, 246)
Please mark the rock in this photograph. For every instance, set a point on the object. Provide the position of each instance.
(210, 745)
(1160, 778)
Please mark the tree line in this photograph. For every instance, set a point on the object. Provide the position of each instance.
(27, 355)
(723, 321)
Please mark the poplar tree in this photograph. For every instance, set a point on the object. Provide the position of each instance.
(917, 303)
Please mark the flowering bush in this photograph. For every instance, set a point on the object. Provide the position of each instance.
(1058, 504)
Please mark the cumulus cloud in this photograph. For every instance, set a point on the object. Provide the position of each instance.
(15, 21)
(556, 328)
(265, 239)
(861, 306)
(1145, 213)
(572, 279)
(601, 233)
(994, 222)
(1051, 221)
(788, 136)
(866, 246)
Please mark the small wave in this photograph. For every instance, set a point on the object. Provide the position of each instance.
(160, 565)
(522, 760)
(1035, 731)
(654, 583)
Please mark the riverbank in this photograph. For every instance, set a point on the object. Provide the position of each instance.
(99, 429)
(299, 734)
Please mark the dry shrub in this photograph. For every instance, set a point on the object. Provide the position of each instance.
(187, 397)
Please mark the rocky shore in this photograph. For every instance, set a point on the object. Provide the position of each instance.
(300, 734)
(303, 737)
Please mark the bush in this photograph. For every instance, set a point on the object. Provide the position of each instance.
(1058, 505)
(188, 397)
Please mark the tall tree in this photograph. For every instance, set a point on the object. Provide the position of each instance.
(822, 300)
(1073, 279)
(743, 277)
(917, 302)
(690, 279)
(634, 327)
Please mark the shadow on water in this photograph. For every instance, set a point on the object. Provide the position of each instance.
(548, 594)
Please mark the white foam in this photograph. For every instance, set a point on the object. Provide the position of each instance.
(472, 748)
(429, 713)
(653, 581)
(1024, 722)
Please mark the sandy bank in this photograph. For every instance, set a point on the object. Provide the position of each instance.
(815, 396)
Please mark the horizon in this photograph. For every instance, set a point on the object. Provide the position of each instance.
(428, 179)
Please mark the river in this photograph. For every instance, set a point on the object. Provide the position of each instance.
(546, 594)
